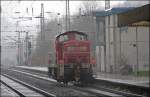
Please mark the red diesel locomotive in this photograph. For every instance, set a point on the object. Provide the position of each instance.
(73, 61)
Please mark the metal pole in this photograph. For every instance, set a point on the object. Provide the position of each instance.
(98, 48)
(69, 15)
(58, 24)
(19, 42)
(109, 41)
(120, 45)
(66, 17)
(100, 62)
(18, 58)
(104, 46)
(137, 50)
(27, 48)
(149, 49)
(114, 39)
(107, 4)
(42, 22)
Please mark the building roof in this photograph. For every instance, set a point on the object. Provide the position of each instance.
(129, 16)
(116, 10)
(140, 16)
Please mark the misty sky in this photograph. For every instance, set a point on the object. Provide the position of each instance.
(9, 18)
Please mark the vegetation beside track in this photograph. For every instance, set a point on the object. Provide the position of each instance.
(141, 73)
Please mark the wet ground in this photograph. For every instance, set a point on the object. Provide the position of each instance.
(143, 81)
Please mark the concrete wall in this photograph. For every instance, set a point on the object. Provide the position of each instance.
(129, 43)
(135, 46)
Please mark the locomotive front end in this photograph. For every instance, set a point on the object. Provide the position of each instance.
(73, 57)
(77, 58)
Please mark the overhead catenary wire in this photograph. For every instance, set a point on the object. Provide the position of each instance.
(21, 12)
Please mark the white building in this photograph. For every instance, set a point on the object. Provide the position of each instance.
(123, 39)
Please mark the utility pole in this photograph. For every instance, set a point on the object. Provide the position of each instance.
(107, 6)
(67, 16)
(42, 43)
(19, 48)
(18, 55)
(137, 51)
(32, 11)
(42, 22)
(26, 51)
(19, 43)
(59, 23)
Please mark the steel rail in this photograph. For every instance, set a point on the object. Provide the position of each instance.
(16, 91)
(120, 92)
(46, 94)
(82, 89)
(48, 80)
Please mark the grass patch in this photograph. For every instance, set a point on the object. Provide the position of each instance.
(142, 73)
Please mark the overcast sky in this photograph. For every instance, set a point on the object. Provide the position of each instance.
(8, 16)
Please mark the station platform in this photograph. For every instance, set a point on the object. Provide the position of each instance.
(125, 79)
(44, 69)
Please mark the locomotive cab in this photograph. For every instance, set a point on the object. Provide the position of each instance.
(73, 57)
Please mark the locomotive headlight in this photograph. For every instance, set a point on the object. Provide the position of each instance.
(71, 48)
(85, 66)
(83, 48)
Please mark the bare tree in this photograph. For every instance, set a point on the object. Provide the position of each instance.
(40, 55)
(89, 7)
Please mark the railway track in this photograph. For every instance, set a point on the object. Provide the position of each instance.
(7, 92)
(97, 90)
(46, 84)
(51, 86)
(113, 87)
(21, 89)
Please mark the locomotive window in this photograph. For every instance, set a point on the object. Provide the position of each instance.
(63, 38)
(80, 37)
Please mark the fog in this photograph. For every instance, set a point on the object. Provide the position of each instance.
(9, 52)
